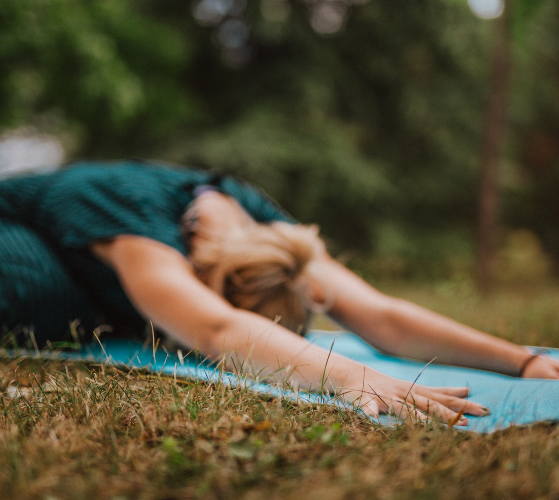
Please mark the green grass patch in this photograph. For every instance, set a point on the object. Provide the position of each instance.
(75, 431)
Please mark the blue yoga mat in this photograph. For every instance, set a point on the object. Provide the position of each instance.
(512, 401)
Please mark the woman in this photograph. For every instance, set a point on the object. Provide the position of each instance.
(219, 267)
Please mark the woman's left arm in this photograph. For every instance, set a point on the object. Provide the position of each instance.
(401, 328)
(164, 288)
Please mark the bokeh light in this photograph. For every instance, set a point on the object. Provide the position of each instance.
(487, 9)
(233, 33)
(328, 17)
(26, 151)
(211, 12)
(232, 30)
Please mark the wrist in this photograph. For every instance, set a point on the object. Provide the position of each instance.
(527, 362)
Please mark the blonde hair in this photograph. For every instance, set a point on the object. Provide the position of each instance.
(264, 268)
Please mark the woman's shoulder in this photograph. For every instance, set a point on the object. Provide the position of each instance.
(128, 169)
(129, 179)
(97, 200)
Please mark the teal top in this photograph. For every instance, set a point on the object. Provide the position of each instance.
(37, 292)
(89, 201)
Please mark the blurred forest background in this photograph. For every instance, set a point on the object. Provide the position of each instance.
(370, 118)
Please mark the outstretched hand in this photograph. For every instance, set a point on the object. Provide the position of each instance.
(383, 394)
(542, 367)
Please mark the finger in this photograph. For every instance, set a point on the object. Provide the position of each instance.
(405, 411)
(459, 392)
(434, 408)
(456, 404)
(416, 407)
(364, 402)
(370, 408)
(469, 407)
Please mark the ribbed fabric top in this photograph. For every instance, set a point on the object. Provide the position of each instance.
(36, 291)
(89, 201)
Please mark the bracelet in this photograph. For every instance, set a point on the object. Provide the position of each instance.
(527, 362)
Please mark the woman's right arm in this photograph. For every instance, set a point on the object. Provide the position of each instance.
(163, 287)
(405, 329)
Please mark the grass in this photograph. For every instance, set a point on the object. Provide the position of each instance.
(75, 431)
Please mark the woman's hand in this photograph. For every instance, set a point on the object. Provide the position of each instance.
(163, 286)
(542, 367)
(380, 393)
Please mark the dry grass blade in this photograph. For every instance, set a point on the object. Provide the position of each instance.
(454, 420)
(74, 431)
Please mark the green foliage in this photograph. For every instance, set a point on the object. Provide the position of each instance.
(322, 434)
(523, 12)
(373, 132)
(378, 125)
(532, 184)
(102, 66)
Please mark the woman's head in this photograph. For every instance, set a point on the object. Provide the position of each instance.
(264, 268)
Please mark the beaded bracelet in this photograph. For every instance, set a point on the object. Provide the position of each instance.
(527, 362)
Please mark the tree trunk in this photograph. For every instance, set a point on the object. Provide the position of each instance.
(492, 146)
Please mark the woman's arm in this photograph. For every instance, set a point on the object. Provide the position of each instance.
(163, 287)
(405, 329)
